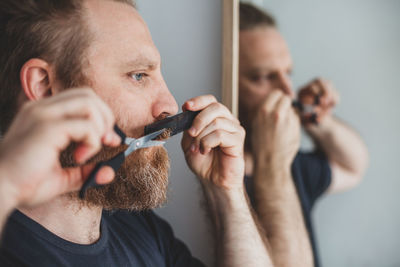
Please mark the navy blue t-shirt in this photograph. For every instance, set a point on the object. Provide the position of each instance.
(312, 176)
(127, 239)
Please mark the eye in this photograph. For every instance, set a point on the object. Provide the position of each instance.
(255, 78)
(272, 76)
(138, 76)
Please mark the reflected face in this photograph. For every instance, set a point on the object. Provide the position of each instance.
(123, 67)
(265, 65)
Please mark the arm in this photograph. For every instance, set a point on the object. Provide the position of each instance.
(213, 148)
(347, 153)
(41, 131)
(275, 142)
(240, 241)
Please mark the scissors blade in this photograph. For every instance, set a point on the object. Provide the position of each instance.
(153, 143)
(143, 142)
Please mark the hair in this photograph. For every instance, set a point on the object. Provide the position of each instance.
(52, 30)
(252, 17)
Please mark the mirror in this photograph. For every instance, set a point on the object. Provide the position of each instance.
(355, 46)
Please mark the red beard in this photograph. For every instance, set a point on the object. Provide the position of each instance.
(141, 182)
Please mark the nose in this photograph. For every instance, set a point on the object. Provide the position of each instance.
(284, 83)
(165, 104)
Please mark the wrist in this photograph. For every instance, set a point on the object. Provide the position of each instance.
(224, 199)
(321, 129)
(272, 165)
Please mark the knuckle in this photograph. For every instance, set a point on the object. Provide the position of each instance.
(219, 134)
(216, 123)
(199, 121)
(212, 98)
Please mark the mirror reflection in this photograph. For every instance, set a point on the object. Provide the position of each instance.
(307, 74)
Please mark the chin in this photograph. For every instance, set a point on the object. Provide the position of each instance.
(140, 184)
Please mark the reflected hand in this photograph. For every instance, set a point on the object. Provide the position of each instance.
(276, 131)
(30, 171)
(213, 147)
(328, 98)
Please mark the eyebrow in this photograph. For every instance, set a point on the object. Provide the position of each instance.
(267, 69)
(141, 63)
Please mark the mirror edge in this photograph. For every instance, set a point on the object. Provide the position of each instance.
(230, 54)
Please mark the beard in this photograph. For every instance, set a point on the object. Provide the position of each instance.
(141, 182)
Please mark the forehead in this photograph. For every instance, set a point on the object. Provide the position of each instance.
(118, 29)
(263, 46)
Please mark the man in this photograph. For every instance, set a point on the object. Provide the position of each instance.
(55, 45)
(285, 183)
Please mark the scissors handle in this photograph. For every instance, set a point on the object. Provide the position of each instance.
(121, 134)
(300, 107)
(114, 163)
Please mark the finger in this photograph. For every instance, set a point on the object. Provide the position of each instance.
(272, 100)
(65, 98)
(105, 175)
(283, 107)
(82, 131)
(188, 144)
(330, 93)
(209, 114)
(230, 143)
(218, 124)
(71, 179)
(80, 103)
(199, 102)
(311, 88)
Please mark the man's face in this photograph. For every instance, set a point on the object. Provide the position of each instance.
(124, 70)
(265, 65)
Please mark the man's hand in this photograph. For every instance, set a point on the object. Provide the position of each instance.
(214, 151)
(213, 146)
(276, 131)
(328, 98)
(346, 151)
(275, 142)
(30, 171)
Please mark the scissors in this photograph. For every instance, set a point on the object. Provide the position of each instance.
(116, 162)
(306, 109)
(174, 124)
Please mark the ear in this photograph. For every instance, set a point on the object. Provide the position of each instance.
(37, 79)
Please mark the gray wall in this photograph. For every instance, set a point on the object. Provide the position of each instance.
(188, 36)
(357, 45)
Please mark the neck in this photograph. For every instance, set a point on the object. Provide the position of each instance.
(69, 219)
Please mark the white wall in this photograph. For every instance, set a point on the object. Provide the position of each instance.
(188, 36)
(357, 45)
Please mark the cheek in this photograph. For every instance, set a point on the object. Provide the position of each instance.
(131, 111)
(131, 114)
(252, 95)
